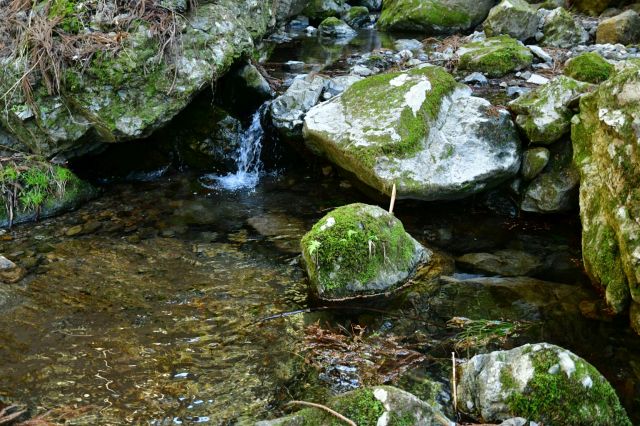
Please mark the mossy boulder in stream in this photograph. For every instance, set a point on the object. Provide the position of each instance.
(433, 16)
(495, 56)
(419, 130)
(589, 67)
(605, 138)
(359, 250)
(544, 114)
(33, 189)
(540, 382)
(378, 405)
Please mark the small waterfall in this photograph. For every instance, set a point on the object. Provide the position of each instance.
(246, 157)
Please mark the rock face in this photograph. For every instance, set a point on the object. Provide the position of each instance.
(544, 114)
(605, 139)
(623, 28)
(433, 16)
(359, 250)
(132, 94)
(419, 130)
(561, 30)
(540, 382)
(589, 67)
(495, 56)
(515, 18)
(382, 405)
(555, 189)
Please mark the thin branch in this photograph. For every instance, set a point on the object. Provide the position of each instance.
(325, 408)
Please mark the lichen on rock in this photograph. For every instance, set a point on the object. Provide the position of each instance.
(515, 18)
(494, 56)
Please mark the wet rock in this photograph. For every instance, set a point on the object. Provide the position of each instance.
(544, 114)
(383, 127)
(319, 10)
(495, 56)
(604, 136)
(380, 405)
(255, 82)
(372, 5)
(335, 28)
(623, 29)
(357, 17)
(10, 272)
(288, 110)
(589, 67)
(508, 263)
(515, 18)
(359, 250)
(433, 16)
(561, 30)
(284, 231)
(542, 382)
(534, 160)
(555, 189)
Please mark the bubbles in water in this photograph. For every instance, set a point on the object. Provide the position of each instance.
(246, 157)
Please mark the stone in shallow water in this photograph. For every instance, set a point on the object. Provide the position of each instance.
(419, 130)
(359, 250)
(509, 263)
(284, 231)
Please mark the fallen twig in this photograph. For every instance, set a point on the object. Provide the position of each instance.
(325, 408)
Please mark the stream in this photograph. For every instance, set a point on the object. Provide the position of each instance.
(144, 306)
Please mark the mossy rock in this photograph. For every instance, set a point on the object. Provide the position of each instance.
(534, 160)
(318, 10)
(623, 28)
(591, 7)
(373, 406)
(357, 16)
(544, 114)
(605, 150)
(539, 382)
(43, 190)
(433, 16)
(359, 250)
(495, 56)
(589, 67)
(334, 27)
(418, 130)
(515, 18)
(561, 30)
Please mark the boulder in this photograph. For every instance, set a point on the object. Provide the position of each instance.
(359, 250)
(591, 7)
(131, 93)
(589, 67)
(319, 10)
(561, 30)
(623, 28)
(556, 188)
(540, 382)
(508, 263)
(381, 405)
(605, 137)
(494, 56)
(515, 18)
(534, 160)
(286, 9)
(357, 17)
(419, 130)
(335, 28)
(544, 114)
(433, 17)
(288, 110)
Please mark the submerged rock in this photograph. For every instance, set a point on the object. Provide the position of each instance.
(419, 130)
(9, 271)
(515, 18)
(623, 28)
(605, 142)
(494, 56)
(508, 263)
(540, 382)
(556, 188)
(433, 16)
(359, 250)
(589, 67)
(381, 405)
(544, 114)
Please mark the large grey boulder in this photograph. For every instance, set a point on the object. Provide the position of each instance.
(359, 250)
(623, 28)
(561, 30)
(433, 16)
(419, 130)
(515, 18)
(539, 382)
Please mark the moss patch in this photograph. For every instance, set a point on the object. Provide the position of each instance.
(589, 67)
(419, 15)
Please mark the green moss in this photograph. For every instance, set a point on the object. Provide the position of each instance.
(360, 243)
(356, 12)
(407, 419)
(589, 67)
(361, 406)
(331, 22)
(556, 399)
(495, 56)
(419, 15)
(66, 11)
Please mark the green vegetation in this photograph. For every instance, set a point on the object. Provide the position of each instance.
(554, 398)
(330, 22)
(495, 56)
(421, 15)
(65, 10)
(589, 67)
(351, 245)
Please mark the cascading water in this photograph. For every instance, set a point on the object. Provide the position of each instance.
(246, 157)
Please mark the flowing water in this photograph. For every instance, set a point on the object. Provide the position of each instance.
(144, 306)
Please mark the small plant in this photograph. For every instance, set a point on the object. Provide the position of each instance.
(476, 333)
